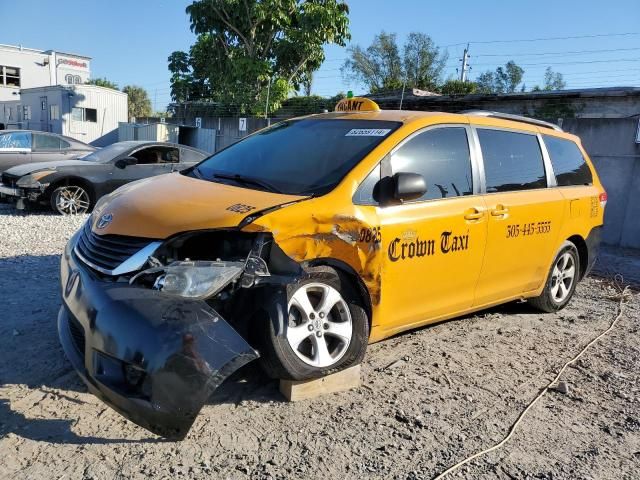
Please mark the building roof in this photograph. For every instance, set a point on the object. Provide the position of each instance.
(20, 48)
(411, 98)
(82, 86)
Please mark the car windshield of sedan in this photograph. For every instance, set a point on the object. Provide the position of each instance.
(297, 157)
(107, 153)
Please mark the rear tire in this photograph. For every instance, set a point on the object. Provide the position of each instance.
(561, 280)
(326, 330)
(71, 200)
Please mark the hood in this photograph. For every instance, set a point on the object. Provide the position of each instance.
(27, 168)
(162, 206)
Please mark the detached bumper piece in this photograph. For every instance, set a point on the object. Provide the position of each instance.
(154, 358)
(9, 191)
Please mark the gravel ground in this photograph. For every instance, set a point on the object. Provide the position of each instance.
(429, 398)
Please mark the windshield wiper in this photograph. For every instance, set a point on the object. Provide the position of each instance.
(248, 181)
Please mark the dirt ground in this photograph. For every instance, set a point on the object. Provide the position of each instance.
(429, 398)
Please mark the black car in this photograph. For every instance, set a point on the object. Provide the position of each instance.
(74, 186)
(20, 147)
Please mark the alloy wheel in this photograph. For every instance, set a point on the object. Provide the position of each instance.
(72, 200)
(562, 277)
(320, 328)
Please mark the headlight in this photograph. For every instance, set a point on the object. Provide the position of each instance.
(33, 178)
(198, 279)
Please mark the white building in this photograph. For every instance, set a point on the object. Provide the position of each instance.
(85, 112)
(22, 68)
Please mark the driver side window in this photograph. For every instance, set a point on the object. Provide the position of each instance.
(154, 155)
(442, 157)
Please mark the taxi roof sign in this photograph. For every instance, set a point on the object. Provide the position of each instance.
(357, 104)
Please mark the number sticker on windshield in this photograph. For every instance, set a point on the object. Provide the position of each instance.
(368, 132)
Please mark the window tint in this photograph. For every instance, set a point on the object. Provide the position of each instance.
(364, 194)
(441, 156)
(568, 163)
(46, 142)
(64, 144)
(512, 161)
(15, 140)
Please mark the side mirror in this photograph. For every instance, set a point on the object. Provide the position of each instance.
(408, 186)
(126, 161)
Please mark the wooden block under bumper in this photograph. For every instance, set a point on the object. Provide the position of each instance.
(304, 389)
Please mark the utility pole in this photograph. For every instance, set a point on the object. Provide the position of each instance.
(266, 107)
(465, 64)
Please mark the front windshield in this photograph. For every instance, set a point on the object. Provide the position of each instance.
(297, 157)
(107, 153)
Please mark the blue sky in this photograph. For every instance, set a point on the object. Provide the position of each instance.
(131, 40)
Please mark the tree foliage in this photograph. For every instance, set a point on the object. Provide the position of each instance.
(139, 103)
(102, 82)
(458, 87)
(382, 66)
(502, 80)
(308, 104)
(552, 81)
(246, 47)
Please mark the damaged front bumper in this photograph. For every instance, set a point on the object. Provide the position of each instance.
(153, 357)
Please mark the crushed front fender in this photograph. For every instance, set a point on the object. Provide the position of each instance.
(154, 358)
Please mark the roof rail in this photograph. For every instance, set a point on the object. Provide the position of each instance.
(515, 118)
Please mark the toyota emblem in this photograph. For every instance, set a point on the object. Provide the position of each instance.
(104, 220)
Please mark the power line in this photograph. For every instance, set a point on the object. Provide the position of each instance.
(485, 42)
(571, 52)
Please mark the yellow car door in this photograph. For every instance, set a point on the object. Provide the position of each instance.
(432, 246)
(525, 213)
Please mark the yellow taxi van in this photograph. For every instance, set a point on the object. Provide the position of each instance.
(306, 241)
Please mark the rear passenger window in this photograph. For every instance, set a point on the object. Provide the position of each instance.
(441, 156)
(45, 142)
(568, 163)
(512, 161)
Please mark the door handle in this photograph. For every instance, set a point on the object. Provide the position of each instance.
(499, 211)
(474, 214)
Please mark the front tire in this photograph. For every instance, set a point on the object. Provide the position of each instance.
(326, 330)
(71, 200)
(561, 281)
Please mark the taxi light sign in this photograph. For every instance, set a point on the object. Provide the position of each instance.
(357, 104)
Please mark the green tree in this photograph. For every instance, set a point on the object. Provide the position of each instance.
(102, 82)
(381, 66)
(139, 103)
(553, 80)
(458, 87)
(502, 80)
(245, 48)
(307, 104)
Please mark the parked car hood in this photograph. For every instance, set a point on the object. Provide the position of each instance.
(162, 206)
(27, 168)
